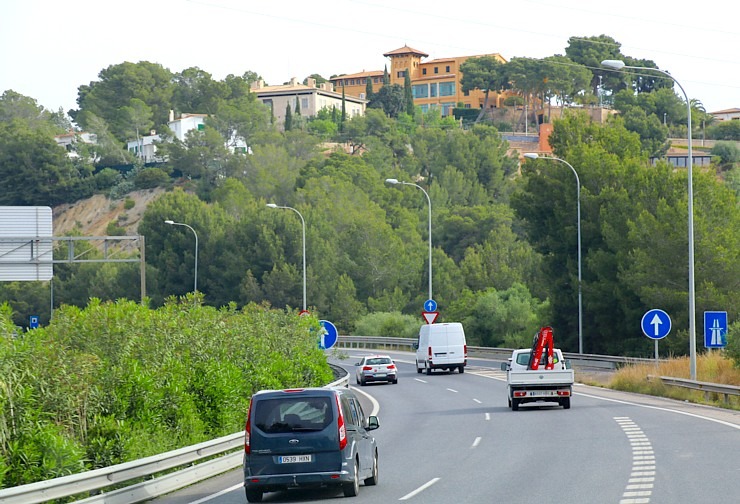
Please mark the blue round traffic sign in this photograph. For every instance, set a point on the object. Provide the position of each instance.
(656, 324)
(430, 305)
(328, 335)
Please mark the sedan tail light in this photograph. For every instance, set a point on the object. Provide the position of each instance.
(367, 368)
(391, 366)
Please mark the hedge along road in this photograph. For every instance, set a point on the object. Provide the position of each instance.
(450, 437)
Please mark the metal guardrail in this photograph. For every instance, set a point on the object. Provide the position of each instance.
(92, 481)
(578, 360)
(708, 388)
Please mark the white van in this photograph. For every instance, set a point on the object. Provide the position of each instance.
(441, 346)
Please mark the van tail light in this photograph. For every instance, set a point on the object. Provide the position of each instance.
(430, 352)
(341, 427)
(520, 393)
(247, 431)
(564, 393)
(465, 349)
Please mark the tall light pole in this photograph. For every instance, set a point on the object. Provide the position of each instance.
(303, 225)
(429, 201)
(619, 65)
(532, 155)
(195, 281)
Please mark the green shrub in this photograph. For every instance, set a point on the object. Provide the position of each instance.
(114, 382)
(151, 177)
(128, 204)
(390, 324)
(113, 229)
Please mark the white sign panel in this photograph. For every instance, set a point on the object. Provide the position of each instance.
(26, 248)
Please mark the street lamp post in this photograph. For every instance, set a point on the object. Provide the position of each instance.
(619, 65)
(195, 281)
(303, 226)
(532, 155)
(429, 201)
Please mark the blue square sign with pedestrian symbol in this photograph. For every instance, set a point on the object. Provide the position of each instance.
(715, 329)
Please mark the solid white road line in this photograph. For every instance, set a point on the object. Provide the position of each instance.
(218, 494)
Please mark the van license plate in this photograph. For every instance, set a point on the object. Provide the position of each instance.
(293, 459)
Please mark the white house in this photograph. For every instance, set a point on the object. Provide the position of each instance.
(726, 114)
(180, 127)
(69, 139)
(312, 98)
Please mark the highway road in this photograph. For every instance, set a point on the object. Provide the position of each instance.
(451, 438)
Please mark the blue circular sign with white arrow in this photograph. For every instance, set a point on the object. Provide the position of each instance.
(430, 305)
(328, 335)
(656, 324)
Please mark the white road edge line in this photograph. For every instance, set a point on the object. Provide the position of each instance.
(218, 494)
(420, 489)
(376, 406)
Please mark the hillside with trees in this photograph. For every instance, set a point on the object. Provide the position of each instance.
(503, 234)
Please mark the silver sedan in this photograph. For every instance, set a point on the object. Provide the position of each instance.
(375, 368)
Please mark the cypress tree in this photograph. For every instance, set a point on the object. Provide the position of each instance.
(369, 88)
(343, 117)
(386, 77)
(297, 106)
(407, 94)
(288, 118)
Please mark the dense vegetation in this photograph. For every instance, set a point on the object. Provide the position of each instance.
(118, 381)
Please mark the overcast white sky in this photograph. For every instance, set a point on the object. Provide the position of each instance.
(50, 48)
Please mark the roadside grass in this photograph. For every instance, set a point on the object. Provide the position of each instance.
(711, 367)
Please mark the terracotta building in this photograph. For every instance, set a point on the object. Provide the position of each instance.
(435, 83)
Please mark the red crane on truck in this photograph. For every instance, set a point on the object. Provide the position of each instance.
(542, 342)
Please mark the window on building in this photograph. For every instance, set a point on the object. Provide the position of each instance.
(446, 88)
(201, 127)
(467, 105)
(423, 71)
(436, 69)
(424, 108)
(401, 74)
(433, 90)
(447, 69)
(304, 103)
(420, 91)
(447, 108)
(466, 93)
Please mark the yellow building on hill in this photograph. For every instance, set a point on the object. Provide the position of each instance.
(435, 83)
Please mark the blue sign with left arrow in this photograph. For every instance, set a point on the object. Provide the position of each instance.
(328, 335)
(656, 324)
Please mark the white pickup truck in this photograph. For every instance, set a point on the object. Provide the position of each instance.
(530, 385)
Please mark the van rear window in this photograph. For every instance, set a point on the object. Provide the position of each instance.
(291, 414)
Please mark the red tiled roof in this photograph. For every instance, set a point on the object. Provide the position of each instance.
(406, 50)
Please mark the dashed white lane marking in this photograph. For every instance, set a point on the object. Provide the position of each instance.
(420, 380)
(476, 442)
(476, 400)
(488, 416)
(639, 487)
(452, 390)
(420, 489)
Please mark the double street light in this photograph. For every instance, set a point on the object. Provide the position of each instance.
(532, 155)
(429, 201)
(619, 65)
(195, 281)
(303, 225)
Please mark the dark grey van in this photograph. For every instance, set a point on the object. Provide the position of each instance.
(308, 437)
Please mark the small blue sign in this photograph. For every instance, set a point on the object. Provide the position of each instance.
(33, 322)
(715, 329)
(430, 305)
(656, 324)
(328, 335)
